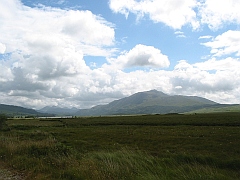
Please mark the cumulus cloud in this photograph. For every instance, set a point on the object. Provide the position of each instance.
(216, 14)
(225, 44)
(88, 28)
(6, 73)
(141, 56)
(44, 48)
(43, 51)
(189, 77)
(208, 78)
(178, 13)
(2, 48)
(21, 23)
(173, 13)
(228, 64)
(218, 80)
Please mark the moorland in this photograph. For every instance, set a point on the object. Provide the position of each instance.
(170, 146)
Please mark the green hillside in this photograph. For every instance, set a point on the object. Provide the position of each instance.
(149, 102)
(219, 108)
(11, 110)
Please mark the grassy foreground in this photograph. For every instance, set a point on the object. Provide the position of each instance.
(202, 146)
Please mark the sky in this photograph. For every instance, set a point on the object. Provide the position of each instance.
(82, 53)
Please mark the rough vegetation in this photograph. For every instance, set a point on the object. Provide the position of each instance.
(124, 147)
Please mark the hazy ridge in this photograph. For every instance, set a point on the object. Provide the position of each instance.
(148, 102)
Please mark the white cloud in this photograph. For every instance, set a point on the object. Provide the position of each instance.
(180, 34)
(6, 73)
(178, 13)
(173, 13)
(218, 80)
(225, 44)
(228, 64)
(141, 56)
(21, 23)
(215, 13)
(193, 79)
(2, 48)
(205, 37)
(136, 81)
(43, 57)
(45, 49)
(87, 28)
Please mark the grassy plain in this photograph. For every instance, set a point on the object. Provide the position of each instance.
(197, 146)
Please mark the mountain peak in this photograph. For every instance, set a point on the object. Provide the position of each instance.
(156, 93)
(150, 102)
(153, 90)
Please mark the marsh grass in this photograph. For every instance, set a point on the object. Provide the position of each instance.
(148, 147)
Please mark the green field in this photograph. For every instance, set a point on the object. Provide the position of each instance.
(194, 146)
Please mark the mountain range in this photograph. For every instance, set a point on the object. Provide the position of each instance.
(12, 110)
(58, 110)
(148, 102)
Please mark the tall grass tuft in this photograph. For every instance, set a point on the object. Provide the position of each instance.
(127, 164)
(40, 159)
(49, 159)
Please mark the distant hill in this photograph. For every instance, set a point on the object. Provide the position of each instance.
(149, 102)
(58, 110)
(11, 110)
(219, 108)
